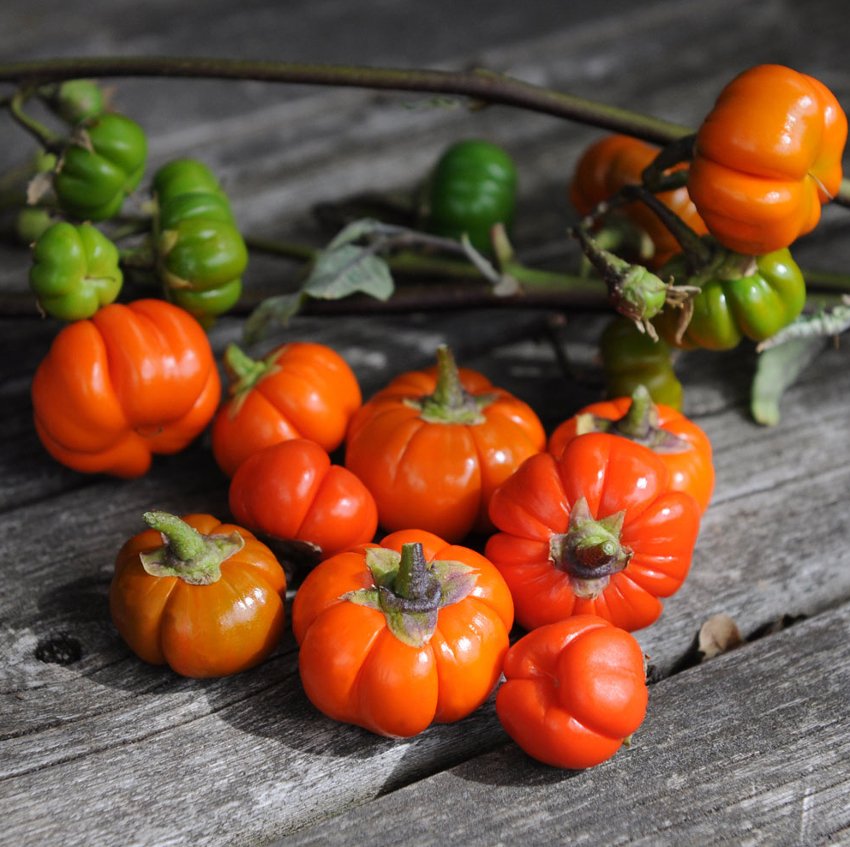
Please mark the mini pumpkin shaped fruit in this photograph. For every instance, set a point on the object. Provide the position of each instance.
(616, 161)
(299, 390)
(574, 691)
(631, 358)
(680, 443)
(291, 491)
(433, 445)
(129, 382)
(203, 597)
(95, 175)
(472, 189)
(596, 531)
(739, 297)
(75, 100)
(200, 252)
(399, 636)
(766, 158)
(75, 271)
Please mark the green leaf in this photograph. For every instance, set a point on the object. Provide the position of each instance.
(274, 309)
(354, 232)
(349, 270)
(776, 370)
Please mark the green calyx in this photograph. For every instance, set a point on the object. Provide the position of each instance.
(633, 290)
(450, 402)
(590, 551)
(186, 553)
(639, 424)
(243, 371)
(75, 271)
(410, 592)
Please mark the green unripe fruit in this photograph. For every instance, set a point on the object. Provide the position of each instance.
(472, 188)
(75, 271)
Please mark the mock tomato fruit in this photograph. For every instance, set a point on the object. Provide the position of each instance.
(200, 252)
(96, 176)
(573, 691)
(472, 188)
(680, 443)
(739, 296)
(161, 392)
(292, 491)
(433, 445)
(616, 161)
(596, 531)
(631, 358)
(767, 156)
(299, 390)
(399, 636)
(75, 271)
(203, 597)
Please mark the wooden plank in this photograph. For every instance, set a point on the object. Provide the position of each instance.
(108, 720)
(751, 748)
(106, 750)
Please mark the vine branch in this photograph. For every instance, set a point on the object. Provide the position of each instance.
(480, 84)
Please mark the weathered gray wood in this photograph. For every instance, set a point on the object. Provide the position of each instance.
(107, 750)
(111, 715)
(748, 748)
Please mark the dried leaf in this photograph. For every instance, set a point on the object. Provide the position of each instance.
(38, 186)
(717, 635)
(81, 138)
(826, 322)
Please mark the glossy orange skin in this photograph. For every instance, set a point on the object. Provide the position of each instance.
(574, 691)
(437, 476)
(691, 470)
(613, 474)
(767, 156)
(291, 490)
(131, 381)
(618, 160)
(200, 630)
(355, 670)
(310, 392)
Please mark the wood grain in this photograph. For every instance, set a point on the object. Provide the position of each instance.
(750, 747)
